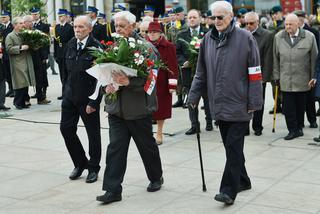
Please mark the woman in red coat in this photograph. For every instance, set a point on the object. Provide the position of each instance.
(167, 78)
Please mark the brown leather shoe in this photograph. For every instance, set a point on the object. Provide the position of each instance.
(44, 102)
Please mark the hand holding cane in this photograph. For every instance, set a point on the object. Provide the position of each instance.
(275, 106)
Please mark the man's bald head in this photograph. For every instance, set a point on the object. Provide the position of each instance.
(291, 23)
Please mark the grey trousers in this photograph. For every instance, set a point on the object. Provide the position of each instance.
(2, 92)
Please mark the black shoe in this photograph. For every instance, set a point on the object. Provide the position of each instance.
(293, 135)
(76, 173)
(4, 108)
(244, 188)
(184, 105)
(54, 73)
(316, 139)
(177, 104)
(299, 133)
(154, 122)
(223, 197)
(209, 126)
(92, 177)
(313, 125)
(9, 93)
(21, 107)
(318, 112)
(33, 96)
(258, 132)
(202, 107)
(155, 186)
(279, 110)
(191, 131)
(109, 197)
(60, 98)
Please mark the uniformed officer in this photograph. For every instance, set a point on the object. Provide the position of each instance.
(63, 33)
(99, 31)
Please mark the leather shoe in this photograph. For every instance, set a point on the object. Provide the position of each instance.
(60, 98)
(33, 96)
(258, 132)
(44, 102)
(76, 173)
(179, 103)
(318, 112)
(21, 107)
(293, 135)
(223, 197)
(209, 126)
(92, 177)
(9, 93)
(313, 125)
(109, 197)
(191, 131)
(316, 139)
(155, 186)
(244, 188)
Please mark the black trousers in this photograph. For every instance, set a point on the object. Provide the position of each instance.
(258, 115)
(20, 97)
(7, 73)
(194, 113)
(41, 81)
(120, 133)
(294, 105)
(311, 106)
(235, 173)
(68, 126)
(279, 100)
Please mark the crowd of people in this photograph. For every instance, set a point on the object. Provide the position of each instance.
(238, 56)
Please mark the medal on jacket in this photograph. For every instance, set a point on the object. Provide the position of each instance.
(151, 81)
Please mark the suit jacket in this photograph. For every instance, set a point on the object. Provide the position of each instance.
(314, 31)
(63, 34)
(44, 52)
(99, 32)
(264, 39)
(80, 85)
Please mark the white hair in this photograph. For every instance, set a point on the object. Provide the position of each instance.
(28, 18)
(252, 14)
(221, 4)
(16, 20)
(126, 15)
(88, 20)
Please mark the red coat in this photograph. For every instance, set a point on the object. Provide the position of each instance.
(167, 79)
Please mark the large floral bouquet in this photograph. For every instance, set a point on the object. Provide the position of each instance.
(130, 53)
(192, 51)
(35, 39)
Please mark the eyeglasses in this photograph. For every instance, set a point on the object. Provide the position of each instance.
(217, 17)
(250, 23)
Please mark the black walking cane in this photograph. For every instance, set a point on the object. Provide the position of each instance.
(204, 188)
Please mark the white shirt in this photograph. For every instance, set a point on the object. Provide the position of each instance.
(295, 35)
(7, 24)
(84, 42)
(197, 29)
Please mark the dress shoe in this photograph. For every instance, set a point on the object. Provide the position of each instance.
(258, 132)
(76, 173)
(154, 122)
(44, 102)
(318, 112)
(92, 177)
(155, 186)
(191, 131)
(300, 133)
(279, 110)
(209, 126)
(33, 96)
(21, 107)
(54, 73)
(223, 197)
(293, 135)
(244, 188)
(184, 105)
(28, 103)
(316, 139)
(109, 197)
(60, 98)
(4, 108)
(9, 94)
(177, 104)
(313, 125)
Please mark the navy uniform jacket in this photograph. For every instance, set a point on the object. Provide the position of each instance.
(46, 29)
(4, 32)
(63, 34)
(99, 32)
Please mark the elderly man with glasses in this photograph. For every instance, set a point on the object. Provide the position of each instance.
(264, 39)
(229, 69)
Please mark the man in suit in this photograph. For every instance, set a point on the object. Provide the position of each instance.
(42, 68)
(2, 78)
(310, 104)
(264, 39)
(76, 103)
(63, 33)
(8, 28)
(99, 31)
(187, 71)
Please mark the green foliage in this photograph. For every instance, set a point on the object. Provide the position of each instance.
(22, 7)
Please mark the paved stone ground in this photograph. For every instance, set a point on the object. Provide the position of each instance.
(34, 169)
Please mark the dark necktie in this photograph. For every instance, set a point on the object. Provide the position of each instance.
(194, 33)
(80, 46)
(293, 39)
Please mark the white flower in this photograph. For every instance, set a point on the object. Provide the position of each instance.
(136, 55)
(131, 39)
(115, 35)
(193, 42)
(139, 42)
(132, 45)
(115, 48)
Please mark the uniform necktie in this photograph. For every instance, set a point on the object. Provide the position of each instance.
(80, 46)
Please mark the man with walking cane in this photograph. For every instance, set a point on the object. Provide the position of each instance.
(234, 91)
